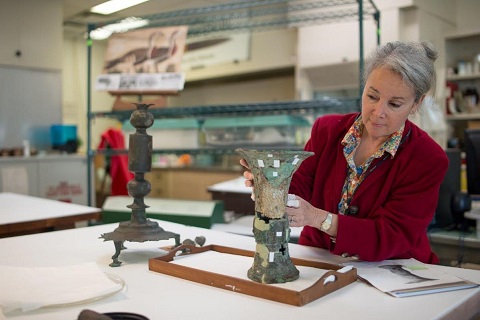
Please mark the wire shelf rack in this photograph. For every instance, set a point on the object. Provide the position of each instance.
(258, 15)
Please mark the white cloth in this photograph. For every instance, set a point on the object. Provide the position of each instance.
(32, 288)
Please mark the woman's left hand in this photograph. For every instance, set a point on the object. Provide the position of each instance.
(301, 213)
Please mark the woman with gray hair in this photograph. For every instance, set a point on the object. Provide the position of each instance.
(371, 189)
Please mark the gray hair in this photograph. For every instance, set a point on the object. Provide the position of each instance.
(413, 61)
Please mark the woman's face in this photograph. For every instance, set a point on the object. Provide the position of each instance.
(387, 101)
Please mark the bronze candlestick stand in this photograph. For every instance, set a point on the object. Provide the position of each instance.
(272, 171)
(139, 228)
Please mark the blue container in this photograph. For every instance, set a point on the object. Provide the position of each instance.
(61, 134)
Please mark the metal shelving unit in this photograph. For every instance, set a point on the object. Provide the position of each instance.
(260, 15)
(316, 107)
(242, 16)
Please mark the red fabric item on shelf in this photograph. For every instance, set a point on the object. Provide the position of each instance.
(113, 139)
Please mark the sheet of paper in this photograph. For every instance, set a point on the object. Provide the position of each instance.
(32, 288)
(404, 274)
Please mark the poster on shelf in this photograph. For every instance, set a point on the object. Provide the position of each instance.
(206, 51)
(144, 60)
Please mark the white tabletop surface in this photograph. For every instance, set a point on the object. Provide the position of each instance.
(15, 208)
(235, 186)
(159, 296)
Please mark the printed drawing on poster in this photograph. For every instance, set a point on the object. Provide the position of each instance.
(153, 50)
(144, 60)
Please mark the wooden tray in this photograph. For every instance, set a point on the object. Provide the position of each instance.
(332, 280)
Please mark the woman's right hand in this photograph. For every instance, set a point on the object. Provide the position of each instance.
(248, 175)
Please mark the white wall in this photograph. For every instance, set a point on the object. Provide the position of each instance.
(34, 28)
(467, 15)
(74, 102)
(30, 103)
(30, 81)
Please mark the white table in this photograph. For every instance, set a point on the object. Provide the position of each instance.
(22, 214)
(159, 296)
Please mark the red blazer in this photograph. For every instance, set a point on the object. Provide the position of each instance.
(396, 202)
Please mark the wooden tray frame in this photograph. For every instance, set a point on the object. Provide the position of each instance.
(320, 288)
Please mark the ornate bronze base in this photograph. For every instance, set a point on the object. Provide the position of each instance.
(131, 231)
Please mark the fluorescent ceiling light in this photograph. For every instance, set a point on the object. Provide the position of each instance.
(114, 6)
(121, 26)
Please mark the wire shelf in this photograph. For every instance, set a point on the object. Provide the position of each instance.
(241, 16)
(316, 107)
(258, 15)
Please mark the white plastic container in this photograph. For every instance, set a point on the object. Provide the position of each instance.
(277, 130)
